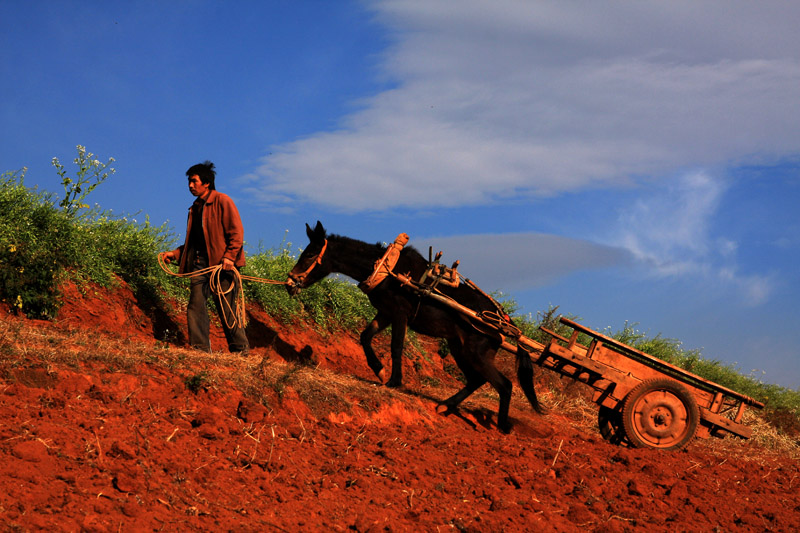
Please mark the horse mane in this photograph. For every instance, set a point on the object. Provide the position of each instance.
(361, 246)
(377, 248)
(364, 252)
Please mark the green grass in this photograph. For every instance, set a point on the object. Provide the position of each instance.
(331, 304)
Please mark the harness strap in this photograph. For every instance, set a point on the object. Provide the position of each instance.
(300, 278)
(385, 265)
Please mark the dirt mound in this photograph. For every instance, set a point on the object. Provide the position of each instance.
(106, 428)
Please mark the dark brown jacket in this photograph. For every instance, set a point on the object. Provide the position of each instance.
(222, 229)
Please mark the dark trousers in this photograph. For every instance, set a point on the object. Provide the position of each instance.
(197, 312)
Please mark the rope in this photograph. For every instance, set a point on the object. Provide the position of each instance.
(237, 315)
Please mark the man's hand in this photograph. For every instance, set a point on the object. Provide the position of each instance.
(169, 257)
(227, 264)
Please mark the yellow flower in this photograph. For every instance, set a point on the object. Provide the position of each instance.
(18, 303)
(12, 248)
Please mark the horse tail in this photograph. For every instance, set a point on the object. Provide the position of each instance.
(525, 378)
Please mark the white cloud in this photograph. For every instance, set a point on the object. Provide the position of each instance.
(672, 222)
(669, 232)
(507, 98)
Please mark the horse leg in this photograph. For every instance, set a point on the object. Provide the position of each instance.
(451, 404)
(503, 387)
(474, 378)
(399, 327)
(481, 356)
(378, 324)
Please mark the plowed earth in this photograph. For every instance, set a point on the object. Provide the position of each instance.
(175, 442)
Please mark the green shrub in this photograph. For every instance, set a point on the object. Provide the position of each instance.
(333, 303)
(36, 247)
(41, 244)
(128, 249)
(273, 265)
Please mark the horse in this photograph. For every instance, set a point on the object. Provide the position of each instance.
(473, 351)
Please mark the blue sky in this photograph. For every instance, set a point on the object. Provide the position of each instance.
(627, 161)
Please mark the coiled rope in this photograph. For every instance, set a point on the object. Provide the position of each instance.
(237, 315)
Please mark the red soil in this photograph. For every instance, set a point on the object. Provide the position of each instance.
(90, 448)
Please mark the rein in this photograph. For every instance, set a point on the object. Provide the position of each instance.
(237, 315)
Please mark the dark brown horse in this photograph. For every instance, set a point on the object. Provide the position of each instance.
(473, 351)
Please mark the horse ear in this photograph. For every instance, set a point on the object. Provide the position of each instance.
(319, 231)
(317, 234)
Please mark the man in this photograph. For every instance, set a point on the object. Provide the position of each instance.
(214, 236)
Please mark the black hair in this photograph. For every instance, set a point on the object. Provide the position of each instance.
(205, 171)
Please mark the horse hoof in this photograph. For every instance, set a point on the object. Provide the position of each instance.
(443, 409)
(383, 376)
(394, 383)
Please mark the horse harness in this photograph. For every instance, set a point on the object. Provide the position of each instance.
(437, 273)
(300, 279)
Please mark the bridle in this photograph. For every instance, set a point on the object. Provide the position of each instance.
(299, 279)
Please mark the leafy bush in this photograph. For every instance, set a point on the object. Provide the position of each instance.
(116, 246)
(36, 247)
(42, 244)
(273, 265)
(332, 303)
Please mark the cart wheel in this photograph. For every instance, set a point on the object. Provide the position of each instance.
(610, 422)
(660, 413)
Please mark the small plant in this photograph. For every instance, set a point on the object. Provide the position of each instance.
(91, 173)
(197, 382)
(35, 247)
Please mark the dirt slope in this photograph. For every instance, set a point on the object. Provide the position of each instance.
(103, 428)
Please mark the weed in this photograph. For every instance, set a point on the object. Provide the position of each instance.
(197, 382)
(91, 173)
(429, 381)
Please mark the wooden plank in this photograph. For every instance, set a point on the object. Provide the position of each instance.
(717, 403)
(623, 380)
(727, 424)
(673, 371)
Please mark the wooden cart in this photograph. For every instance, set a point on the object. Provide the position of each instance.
(643, 400)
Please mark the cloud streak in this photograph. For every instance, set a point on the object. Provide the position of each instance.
(669, 231)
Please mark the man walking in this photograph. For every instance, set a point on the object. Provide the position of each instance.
(214, 236)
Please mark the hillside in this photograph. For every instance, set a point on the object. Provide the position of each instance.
(105, 428)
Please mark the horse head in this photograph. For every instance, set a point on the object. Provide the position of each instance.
(308, 269)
